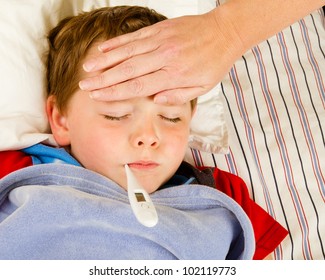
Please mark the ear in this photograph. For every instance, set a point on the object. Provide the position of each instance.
(58, 122)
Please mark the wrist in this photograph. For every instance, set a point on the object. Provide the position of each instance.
(227, 34)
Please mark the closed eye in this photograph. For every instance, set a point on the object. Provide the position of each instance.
(172, 120)
(114, 118)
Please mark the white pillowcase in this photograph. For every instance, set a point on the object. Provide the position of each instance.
(23, 29)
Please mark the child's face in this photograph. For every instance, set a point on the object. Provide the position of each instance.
(104, 136)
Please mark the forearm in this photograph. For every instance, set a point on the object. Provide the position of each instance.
(190, 54)
(253, 21)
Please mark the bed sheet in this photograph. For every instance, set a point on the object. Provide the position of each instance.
(276, 116)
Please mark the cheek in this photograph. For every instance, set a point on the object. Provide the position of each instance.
(177, 142)
(94, 146)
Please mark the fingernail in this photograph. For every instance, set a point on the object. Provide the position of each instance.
(95, 95)
(103, 47)
(89, 65)
(83, 85)
(160, 99)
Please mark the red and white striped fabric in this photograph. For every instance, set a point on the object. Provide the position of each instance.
(275, 96)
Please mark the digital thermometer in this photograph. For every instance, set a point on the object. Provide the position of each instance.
(140, 201)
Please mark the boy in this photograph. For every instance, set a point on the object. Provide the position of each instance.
(150, 138)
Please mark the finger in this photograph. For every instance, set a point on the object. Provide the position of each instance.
(116, 56)
(164, 91)
(137, 87)
(134, 67)
(121, 48)
(127, 38)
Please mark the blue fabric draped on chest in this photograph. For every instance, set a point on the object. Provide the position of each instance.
(55, 211)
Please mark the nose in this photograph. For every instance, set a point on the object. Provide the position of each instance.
(145, 136)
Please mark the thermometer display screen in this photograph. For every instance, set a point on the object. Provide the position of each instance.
(140, 197)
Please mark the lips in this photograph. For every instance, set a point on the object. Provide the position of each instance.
(143, 165)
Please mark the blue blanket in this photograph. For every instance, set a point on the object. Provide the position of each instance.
(55, 211)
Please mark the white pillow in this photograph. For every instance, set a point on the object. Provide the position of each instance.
(23, 29)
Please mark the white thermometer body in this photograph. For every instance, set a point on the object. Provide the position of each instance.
(140, 201)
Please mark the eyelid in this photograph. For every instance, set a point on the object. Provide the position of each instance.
(116, 118)
(172, 120)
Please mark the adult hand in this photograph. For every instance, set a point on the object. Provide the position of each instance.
(178, 58)
(182, 58)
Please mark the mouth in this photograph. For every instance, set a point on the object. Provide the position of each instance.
(143, 165)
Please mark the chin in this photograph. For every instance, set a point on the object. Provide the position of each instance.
(150, 187)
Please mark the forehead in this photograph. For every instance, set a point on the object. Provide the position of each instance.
(94, 52)
(142, 103)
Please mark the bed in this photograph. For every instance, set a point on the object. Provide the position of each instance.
(266, 117)
(274, 98)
